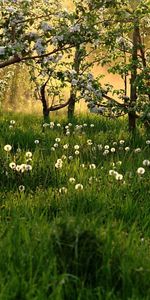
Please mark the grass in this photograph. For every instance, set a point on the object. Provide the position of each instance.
(62, 243)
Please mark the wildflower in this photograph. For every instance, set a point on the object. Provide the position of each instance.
(36, 142)
(106, 147)
(12, 165)
(76, 147)
(72, 180)
(121, 142)
(77, 152)
(106, 152)
(112, 150)
(119, 163)
(137, 150)
(21, 188)
(89, 142)
(66, 146)
(58, 125)
(92, 166)
(63, 190)
(127, 149)
(64, 157)
(12, 122)
(69, 124)
(58, 164)
(18, 168)
(79, 186)
(7, 148)
(146, 162)
(23, 167)
(52, 149)
(118, 176)
(91, 125)
(55, 145)
(28, 168)
(100, 147)
(82, 165)
(148, 142)
(57, 140)
(112, 172)
(70, 157)
(45, 125)
(28, 154)
(140, 171)
(84, 125)
(67, 132)
(114, 143)
(51, 125)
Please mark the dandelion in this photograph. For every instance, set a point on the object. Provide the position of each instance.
(77, 152)
(7, 148)
(112, 150)
(64, 157)
(18, 168)
(70, 157)
(57, 140)
(58, 164)
(112, 172)
(28, 168)
(92, 166)
(121, 142)
(127, 149)
(12, 122)
(119, 163)
(106, 152)
(146, 162)
(12, 165)
(140, 171)
(58, 125)
(76, 147)
(36, 142)
(100, 147)
(79, 186)
(52, 125)
(91, 125)
(72, 180)
(45, 125)
(23, 168)
(63, 190)
(82, 166)
(69, 124)
(10, 126)
(106, 147)
(137, 150)
(28, 154)
(53, 149)
(55, 145)
(118, 176)
(114, 143)
(67, 132)
(148, 142)
(89, 142)
(84, 125)
(66, 146)
(21, 188)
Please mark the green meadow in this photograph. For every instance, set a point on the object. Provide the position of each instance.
(74, 209)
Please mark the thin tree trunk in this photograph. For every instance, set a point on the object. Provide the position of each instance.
(133, 87)
(46, 110)
(73, 92)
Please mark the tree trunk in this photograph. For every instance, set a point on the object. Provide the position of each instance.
(71, 106)
(73, 92)
(46, 110)
(133, 87)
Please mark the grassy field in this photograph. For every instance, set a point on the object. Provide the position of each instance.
(74, 210)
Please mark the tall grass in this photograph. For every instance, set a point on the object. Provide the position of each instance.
(62, 241)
